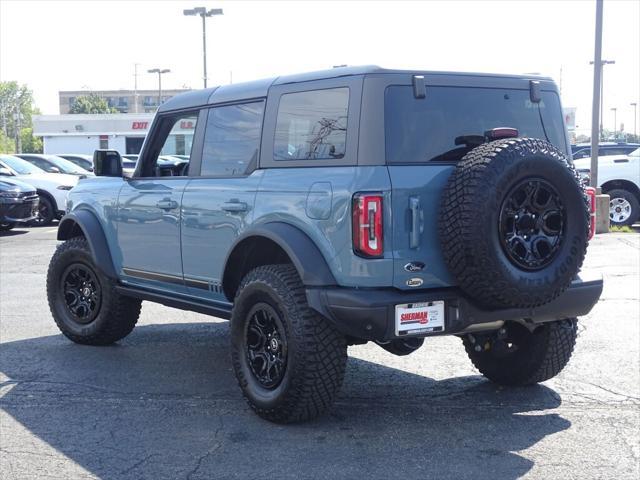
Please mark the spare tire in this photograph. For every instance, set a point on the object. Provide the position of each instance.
(514, 223)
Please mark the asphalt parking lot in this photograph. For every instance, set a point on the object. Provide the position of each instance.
(164, 403)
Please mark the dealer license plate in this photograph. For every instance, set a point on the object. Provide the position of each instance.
(419, 318)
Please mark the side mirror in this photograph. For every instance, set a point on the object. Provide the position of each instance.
(54, 170)
(107, 163)
(5, 172)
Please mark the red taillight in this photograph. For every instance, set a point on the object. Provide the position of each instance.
(591, 196)
(367, 225)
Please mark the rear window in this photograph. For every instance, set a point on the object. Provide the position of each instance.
(423, 130)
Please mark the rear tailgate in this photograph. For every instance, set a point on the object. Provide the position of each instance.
(416, 192)
(426, 137)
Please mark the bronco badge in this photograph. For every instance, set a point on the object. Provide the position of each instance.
(414, 266)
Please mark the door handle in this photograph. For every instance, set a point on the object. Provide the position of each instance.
(417, 222)
(167, 204)
(234, 206)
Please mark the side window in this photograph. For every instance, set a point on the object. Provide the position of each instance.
(232, 139)
(312, 125)
(173, 158)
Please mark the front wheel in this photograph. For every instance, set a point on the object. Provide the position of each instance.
(5, 227)
(515, 356)
(289, 361)
(85, 303)
(46, 212)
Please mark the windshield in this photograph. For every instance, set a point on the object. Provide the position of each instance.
(22, 167)
(65, 165)
(423, 130)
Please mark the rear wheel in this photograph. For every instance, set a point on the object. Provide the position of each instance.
(289, 361)
(516, 356)
(624, 208)
(84, 303)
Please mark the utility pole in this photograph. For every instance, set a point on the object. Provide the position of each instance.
(18, 118)
(635, 119)
(160, 72)
(202, 12)
(135, 87)
(597, 85)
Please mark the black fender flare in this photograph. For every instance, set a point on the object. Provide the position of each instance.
(303, 252)
(91, 229)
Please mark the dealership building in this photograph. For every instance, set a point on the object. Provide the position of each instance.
(82, 133)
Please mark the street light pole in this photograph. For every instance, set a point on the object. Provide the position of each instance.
(595, 110)
(635, 117)
(202, 12)
(602, 64)
(159, 72)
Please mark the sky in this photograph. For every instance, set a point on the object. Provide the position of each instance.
(67, 45)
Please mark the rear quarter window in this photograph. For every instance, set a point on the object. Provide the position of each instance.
(423, 130)
(312, 125)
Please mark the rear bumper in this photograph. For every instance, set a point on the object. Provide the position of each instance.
(369, 314)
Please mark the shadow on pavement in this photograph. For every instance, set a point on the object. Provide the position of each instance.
(13, 232)
(164, 404)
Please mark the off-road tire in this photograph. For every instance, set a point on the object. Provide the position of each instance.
(633, 201)
(316, 352)
(470, 217)
(543, 356)
(117, 314)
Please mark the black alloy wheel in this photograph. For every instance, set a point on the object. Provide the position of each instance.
(266, 345)
(532, 220)
(82, 293)
(46, 213)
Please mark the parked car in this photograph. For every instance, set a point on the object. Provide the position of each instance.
(53, 164)
(129, 163)
(619, 177)
(18, 202)
(83, 161)
(605, 149)
(52, 188)
(335, 208)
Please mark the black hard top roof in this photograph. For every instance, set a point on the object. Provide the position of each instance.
(260, 88)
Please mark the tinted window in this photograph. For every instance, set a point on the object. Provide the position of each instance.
(420, 130)
(232, 139)
(40, 163)
(312, 125)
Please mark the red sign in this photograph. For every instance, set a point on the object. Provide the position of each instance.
(140, 125)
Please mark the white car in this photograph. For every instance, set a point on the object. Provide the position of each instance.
(52, 188)
(619, 177)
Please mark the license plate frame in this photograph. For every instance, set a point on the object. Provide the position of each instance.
(419, 318)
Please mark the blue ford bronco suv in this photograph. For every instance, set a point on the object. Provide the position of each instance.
(333, 208)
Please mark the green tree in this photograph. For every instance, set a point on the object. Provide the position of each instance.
(91, 103)
(17, 98)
